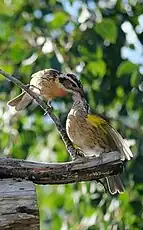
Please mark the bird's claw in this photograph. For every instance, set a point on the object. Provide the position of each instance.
(50, 107)
(49, 103)
(79, 155)
(27, 85)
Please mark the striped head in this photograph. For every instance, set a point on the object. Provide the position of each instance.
(71, 84)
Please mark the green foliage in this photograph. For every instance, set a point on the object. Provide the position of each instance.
(92, 40)
(60, 19)
(126, 68)
(97, 68)
(107, 30)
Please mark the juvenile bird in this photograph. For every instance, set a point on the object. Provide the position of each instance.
(91, 133)
(44, 83)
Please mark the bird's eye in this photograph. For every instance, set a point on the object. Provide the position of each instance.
(73, 84)
(64, 81)
(61, 80)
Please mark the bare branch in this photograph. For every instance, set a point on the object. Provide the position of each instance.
(62, 173)
(47, 109)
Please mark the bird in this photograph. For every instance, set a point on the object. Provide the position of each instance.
(43, 83)
(91, 133)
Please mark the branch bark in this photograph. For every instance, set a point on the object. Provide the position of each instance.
(62, 173)
(48, 110)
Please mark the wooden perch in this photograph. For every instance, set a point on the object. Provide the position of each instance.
(18, 205)
(18, 202)
(62, 173)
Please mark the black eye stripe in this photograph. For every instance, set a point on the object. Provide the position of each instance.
(67, 82)
(52, 72)
(73, 84)
(75, 79)
(61, 80)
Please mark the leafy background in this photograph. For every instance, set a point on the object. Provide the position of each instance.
(102, 42)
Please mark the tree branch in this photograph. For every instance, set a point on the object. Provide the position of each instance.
(47, 109)
(62, 173)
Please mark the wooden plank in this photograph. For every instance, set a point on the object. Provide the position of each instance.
(18, 205)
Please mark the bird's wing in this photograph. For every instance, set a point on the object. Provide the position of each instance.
(38, 73)
(114, 135)
(96, 121)
(16, 100)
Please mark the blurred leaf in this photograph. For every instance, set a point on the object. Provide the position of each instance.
(5, 30)
(8, 68)
(97, 68)
(99, 53)
(18, 51)
(107, 30)
(60, 19)
(135, 79)
(126, 68)
(120, 92)
(11, 7)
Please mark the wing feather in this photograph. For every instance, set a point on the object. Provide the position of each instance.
(121, 144)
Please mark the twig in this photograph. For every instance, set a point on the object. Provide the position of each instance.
(62, 173)
(47, 109)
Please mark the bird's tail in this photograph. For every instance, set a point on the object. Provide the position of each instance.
(21, 101)
(114, 184)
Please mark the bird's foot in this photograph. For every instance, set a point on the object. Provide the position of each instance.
(79, 155)
(99, 157)
(49, 103)
(50, 107)
(27, 85)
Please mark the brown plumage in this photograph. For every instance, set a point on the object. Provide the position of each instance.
(95, 136)
(44, 83)
(92, 133)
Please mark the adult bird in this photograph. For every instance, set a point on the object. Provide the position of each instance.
(91, 133)
(44, 83)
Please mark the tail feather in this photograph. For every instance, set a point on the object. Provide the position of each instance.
(121, 144)
(21, 101)
(114, 184)
(16, 100)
